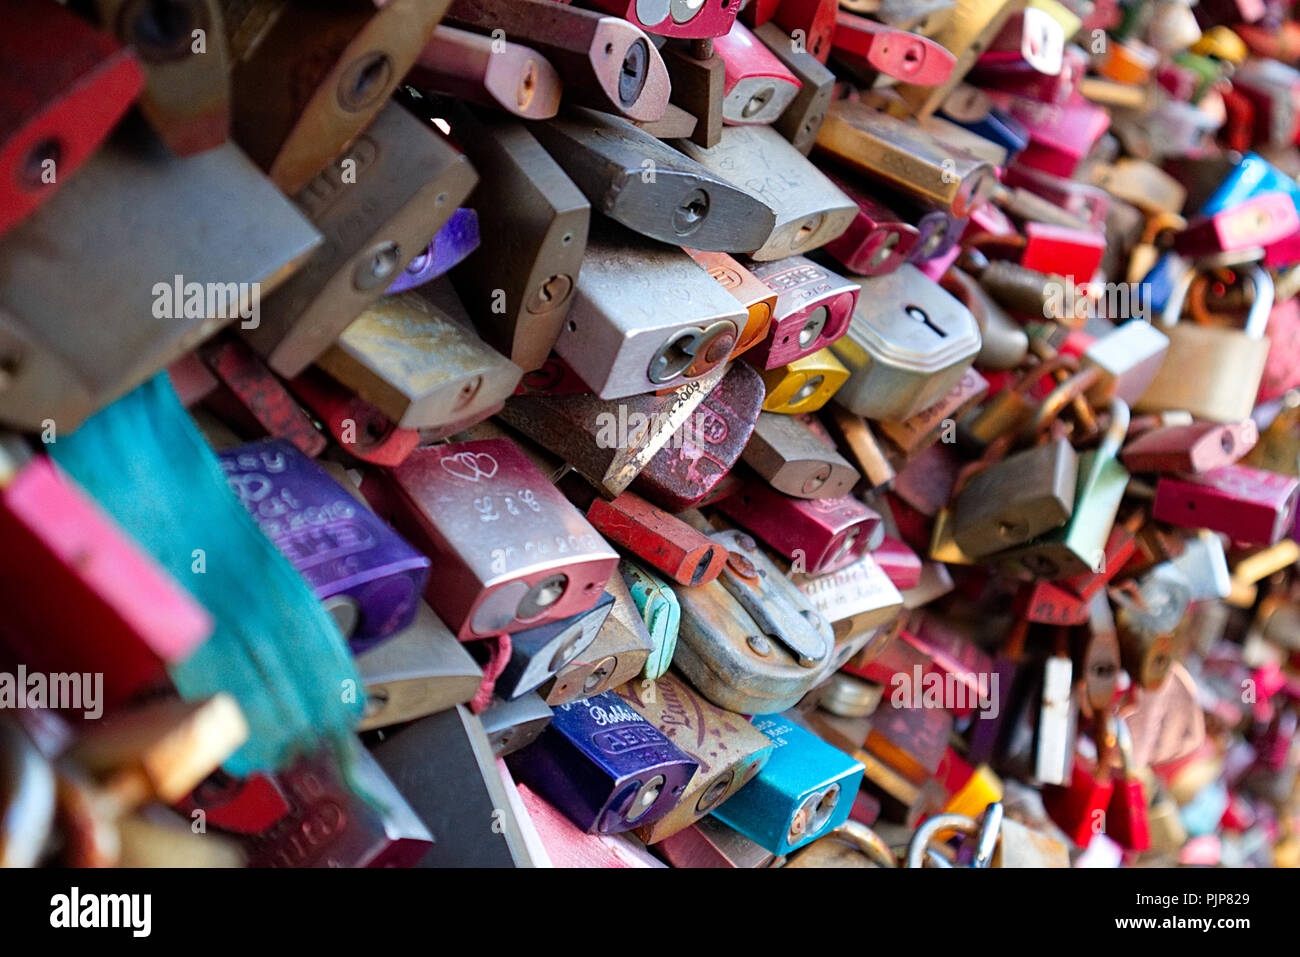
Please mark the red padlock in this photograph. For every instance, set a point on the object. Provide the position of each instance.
(1079, 808)
(1126, 818)
(814, 21)
(819, 535)
(814, 307)
(690, 19)
(878, 241)
(1247, 504)
(904, 56)
(63, 87)
(1258, 221)
(899, 563)
(662, 541)
(360, 428)
(1199, 447)
(1062, 250)
(756, 86)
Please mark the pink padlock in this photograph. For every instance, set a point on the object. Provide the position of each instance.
(1249, 505)
(756, 86)
(1059, 136)
(1282, 368)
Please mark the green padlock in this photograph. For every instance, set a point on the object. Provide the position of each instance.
(660, 611)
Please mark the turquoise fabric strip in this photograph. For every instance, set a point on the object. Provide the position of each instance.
(275, 649)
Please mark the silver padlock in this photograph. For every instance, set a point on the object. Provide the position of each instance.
(1211, 371)
(908, 344)
(750, 641)
(645, 316)
(986, 831)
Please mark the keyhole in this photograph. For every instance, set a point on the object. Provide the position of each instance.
(758, 101)
(691, 213)
(161, 26)
(921, 316)
(631, 78)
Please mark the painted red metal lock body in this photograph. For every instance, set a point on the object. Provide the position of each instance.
(690, 20)
(1199, 447)
(1048, 603)
(248, 805)
(1248, 505)
(826, 533)
(1062, 250)
(1060, 136)
(878, 241)
(704, 449)
(1119, 548)
(813, 309)
(756, 86)
(80, 596)
(758, 12)
(510, 552)
(63, 87)
(1282, 368)
(361, 429)
(899, 563)
(662, 541)
(897, 657)
(254, 394)
(904, 56)
(957, 659)
(1258, 221)
(1079, 808)
(1088, 202)
(1284, 252)
(1009, 72)
(816, 20)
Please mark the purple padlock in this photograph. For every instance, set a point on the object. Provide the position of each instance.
(456, 240)
(366, 575)
(604, 766)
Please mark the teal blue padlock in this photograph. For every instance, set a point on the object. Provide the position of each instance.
(660, 611)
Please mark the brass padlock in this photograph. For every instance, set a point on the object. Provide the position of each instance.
(1212, 372)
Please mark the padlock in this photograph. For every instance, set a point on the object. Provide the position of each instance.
(345, 61)
(1195, 448)
(1259, 221)
(1247, 504)
(604, 62)
(905, 158)
(443, 765)
(537, 654)
(416, 359)
(377, 204)
(1126, 817)
(795, 460)
(1064, 251)
(662, 541)
(675, 18)
(1280, 375)
(660, 611)
(805, 790)
(1003, 343)
(972, 110)
(697, 84)
(749, 290)
(618, 337)
(813, 310)
(934, 423)
(605, 766)
(848, 697)
(1129, 359)
(1146, 615)
(652, 188)
(757, 87)
(818, 535)
(937, 231)
(487, 71)
(1054, 737)
(803, 117)
(357, 426)
(810, 209)
(84, 597)
(878, 241)
(68, 85)
(1099, 663)
(899, 563)
(513, 725)
(728, 750)
(908, 344)
(804, 385)
(518, 287)
(366, 576)
(813, 19)
(907, 57)
(609, 442)
(182, 46)
(1080, 544)
(1272, 88)
(1059, 135)
(328, 823)
(857, 600)
(710, 843)
(852, 844)
(251, 393)
(693, 464)
(420, 671)
(966, 34)
(1023, 846)
(210, 272)
(1017, 499)
(1080, 808)
(907, 736)
(531, 559)
(619, 654)
(750, 641)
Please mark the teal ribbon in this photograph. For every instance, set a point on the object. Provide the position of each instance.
(275, 649)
